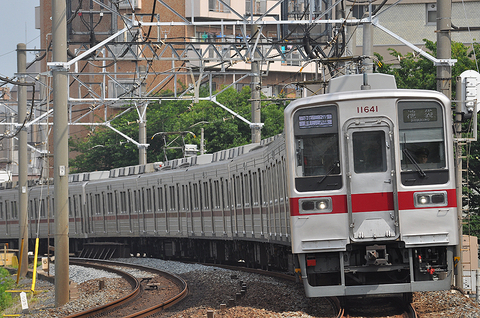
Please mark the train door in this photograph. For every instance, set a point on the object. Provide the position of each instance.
(371, 186)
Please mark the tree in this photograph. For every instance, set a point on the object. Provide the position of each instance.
(417, 72)
(104, 149)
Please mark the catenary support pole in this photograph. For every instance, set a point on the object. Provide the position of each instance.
(256, 87)
(60, 140)
(22, 158)
(444, 85)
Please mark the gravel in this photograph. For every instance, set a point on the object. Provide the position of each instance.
(79, 274)
(209, 287)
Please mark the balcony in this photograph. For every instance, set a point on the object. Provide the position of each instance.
(215, 10)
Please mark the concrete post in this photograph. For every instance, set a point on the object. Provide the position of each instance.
(22, 159)
(256, 90)
(60, 140)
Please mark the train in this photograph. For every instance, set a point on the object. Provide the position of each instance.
(356, 197)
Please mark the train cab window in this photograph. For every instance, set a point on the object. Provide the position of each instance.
(317, 149)
(422, 143)
(369, 151)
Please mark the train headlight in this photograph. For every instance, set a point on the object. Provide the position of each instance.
(320, 205)
(430, 199)
(422, 200)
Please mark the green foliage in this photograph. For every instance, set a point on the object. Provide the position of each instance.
(5, 283)
(105, 149)
(416, 71)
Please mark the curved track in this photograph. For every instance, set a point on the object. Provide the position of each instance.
(391, 306)
(334, 301)
(137, 298)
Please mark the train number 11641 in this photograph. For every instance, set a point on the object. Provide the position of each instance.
(367, 109)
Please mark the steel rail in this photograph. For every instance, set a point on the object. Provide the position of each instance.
(137, 289)
(134, 282)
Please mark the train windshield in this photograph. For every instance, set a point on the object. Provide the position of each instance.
(317, 155)
(317, 149)
(422, 140)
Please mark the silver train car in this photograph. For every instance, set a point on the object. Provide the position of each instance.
(371, 187)
(344, 197)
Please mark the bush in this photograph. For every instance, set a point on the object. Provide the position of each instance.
(5, 283)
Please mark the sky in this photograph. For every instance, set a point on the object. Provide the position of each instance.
(18, 20)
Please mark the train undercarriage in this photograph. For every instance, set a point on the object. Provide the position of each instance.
(376, 269)
(252, 254)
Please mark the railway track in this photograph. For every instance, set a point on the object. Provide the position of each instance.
(152, 290)
(334, 301)
(352, 307)
(377, 306)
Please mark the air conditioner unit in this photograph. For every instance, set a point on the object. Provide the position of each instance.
(128, 4)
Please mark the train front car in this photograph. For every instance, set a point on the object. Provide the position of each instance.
(372, 189)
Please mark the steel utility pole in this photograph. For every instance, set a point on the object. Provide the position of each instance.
(60, 153)
(22, 159)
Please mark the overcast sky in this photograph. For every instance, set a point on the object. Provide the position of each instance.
(18, 20)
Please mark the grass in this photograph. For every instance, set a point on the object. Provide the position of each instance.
(6, 283)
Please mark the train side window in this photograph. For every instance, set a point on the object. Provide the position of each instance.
(195, 196)
(149, 199)
(205, 196)
(369, 153)
(70, 210)
(116, 204)
(160, 198)
(154, 199)
(129, 200)
(246, 190)
(255, 191)
(14, 210)
(96, 204)
(7, 210)
(123, 202)
(238, 192)
(171, 198)
(43, 213)
(110, 203)
(75, 212)
(1, 210)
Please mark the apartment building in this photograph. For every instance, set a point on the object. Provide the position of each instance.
(414, 21)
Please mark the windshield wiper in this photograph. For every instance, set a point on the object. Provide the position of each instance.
(412, 160)
(336, 164)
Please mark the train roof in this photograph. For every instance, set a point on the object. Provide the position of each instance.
(356, 82)
(223, 155)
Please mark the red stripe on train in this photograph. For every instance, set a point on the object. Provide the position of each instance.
(371, 202)
(406, 200)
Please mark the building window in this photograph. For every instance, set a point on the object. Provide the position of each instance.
(259, 6)
(217, 6)
(359, 11)
(431, 17)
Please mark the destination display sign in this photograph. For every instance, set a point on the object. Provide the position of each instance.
(419, 115)
(315, 121)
